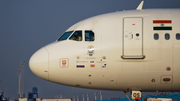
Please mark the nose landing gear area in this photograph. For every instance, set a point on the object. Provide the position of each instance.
(135, 95)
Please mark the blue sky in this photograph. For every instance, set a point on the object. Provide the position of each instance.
(27, 25)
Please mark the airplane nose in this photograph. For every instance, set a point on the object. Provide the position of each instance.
(38, 63)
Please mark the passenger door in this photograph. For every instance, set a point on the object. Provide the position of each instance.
(133, 38)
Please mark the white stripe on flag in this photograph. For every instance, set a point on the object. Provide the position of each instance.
(162, 25)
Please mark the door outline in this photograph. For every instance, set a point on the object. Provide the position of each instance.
(142, 56)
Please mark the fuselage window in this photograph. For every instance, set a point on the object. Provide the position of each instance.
(156, 36)
(65, 36)
(77, 36)
(178, 36)
(89, 36)
(167, 36)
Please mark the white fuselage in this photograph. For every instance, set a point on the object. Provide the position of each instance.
(132, 50)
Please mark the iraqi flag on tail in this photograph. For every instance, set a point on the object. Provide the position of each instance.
(162, 25)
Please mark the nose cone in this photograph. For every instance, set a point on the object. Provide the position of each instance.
(38, 63)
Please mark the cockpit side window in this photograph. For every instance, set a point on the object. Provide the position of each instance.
(65, 36)
(89, 36)
(77, 36)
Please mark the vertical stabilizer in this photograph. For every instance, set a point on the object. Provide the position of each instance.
(140, 5)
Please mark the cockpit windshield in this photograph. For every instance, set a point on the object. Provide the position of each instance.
(77, 36)
(65, 36)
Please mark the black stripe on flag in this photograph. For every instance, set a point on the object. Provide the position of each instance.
(162, 28)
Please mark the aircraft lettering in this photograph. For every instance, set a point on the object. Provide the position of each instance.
(81, 61)
(92, 65)
(136, 94)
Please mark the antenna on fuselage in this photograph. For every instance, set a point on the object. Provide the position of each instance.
(140, 5)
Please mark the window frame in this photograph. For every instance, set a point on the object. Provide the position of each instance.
(154, 36)
(73, 33)
(165, 36)
(85, 35)
(176, 36)
(63, 34)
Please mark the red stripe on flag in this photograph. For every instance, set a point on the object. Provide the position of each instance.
(161, 21)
